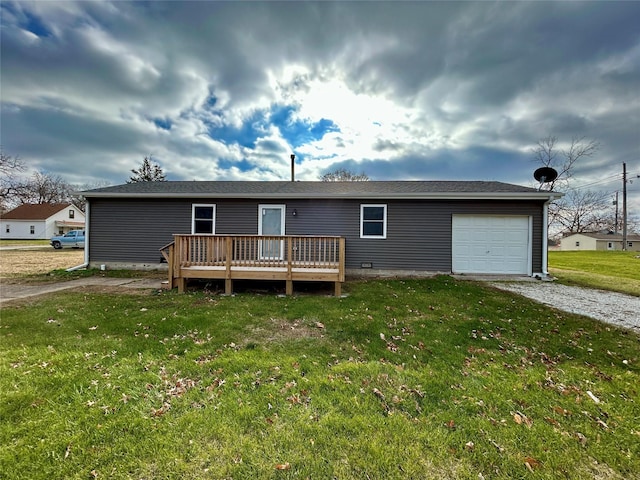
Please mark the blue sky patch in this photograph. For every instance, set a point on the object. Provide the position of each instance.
(299, 132)
(163, 123)
(253, 128)
(35, 25)
(295, 131)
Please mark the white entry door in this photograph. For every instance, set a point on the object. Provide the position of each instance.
(492, 244)
(271, 222)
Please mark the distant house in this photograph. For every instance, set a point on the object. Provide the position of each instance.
(40, 221)
(387, 227)
(599, 241)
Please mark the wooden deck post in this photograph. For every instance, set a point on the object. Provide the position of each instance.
(289, 281)
(228, 282)
(341, 259)
(170, 262)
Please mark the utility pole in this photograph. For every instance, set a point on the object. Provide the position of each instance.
(615, 225)
(624, 206)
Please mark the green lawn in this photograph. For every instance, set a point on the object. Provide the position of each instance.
(607, 270)
(428, 378)
(29, 243)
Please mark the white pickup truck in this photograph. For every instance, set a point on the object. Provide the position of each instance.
(72, 239)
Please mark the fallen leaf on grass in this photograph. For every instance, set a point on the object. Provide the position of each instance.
(283, 466)
(531, 463)
(581, 438)
(561, 411)
(498, 447)
(378, 394)
(521, 418)
(470, 446)
(553, 422)
(593, 397)
(319, 325)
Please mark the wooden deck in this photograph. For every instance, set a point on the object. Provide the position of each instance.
(255, 257)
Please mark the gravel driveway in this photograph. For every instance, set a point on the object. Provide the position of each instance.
(610, 307)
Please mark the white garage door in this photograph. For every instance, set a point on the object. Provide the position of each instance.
(491, 244)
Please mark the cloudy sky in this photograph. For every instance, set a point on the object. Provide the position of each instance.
(397, 90)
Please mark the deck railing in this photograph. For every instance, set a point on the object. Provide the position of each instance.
(266, 257)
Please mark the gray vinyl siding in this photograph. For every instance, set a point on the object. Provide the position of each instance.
(418, 232)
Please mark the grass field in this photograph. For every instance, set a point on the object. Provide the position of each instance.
(427, 378)
(28, 243)
(615, 271)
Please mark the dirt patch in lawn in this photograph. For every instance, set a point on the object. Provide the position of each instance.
(280, 330)
(16, 263)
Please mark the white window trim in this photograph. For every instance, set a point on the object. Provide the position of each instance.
(193, 217)
(384, 220)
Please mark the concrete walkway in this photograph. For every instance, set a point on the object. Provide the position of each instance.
(9, 292)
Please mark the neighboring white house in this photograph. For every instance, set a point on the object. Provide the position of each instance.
(599, 241)
(41, 221)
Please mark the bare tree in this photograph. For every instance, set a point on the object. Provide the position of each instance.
(609, 223)
(344, 175)
(10, 169)
(549, 154)
(43, 187)
(148, 172)
(580, 211)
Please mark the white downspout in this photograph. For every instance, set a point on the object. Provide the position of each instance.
(86, 242)
(545, 238)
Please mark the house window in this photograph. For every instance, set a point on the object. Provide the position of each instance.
(629, 244)
(8, 229)
(373, 221)
(203, 218)
(610, 245)
(72, 213)
(577, 244)
(32, 229)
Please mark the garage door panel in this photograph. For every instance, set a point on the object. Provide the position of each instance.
(490, 244)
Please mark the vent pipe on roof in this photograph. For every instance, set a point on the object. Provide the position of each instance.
(293, 163)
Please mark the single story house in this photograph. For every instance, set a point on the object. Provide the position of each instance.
(383, 227)
(40, 221)
(599, 241)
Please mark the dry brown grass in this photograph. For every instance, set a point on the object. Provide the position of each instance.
(17, 263)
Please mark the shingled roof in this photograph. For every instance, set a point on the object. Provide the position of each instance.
(283, 189)
(40, 211)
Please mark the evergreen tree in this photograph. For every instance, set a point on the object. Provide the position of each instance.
(148, 172)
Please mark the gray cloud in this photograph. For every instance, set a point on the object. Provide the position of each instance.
(484, 81)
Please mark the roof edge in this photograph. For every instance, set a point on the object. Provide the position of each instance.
(399, 196)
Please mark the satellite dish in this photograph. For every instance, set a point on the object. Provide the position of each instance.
(545, 174)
